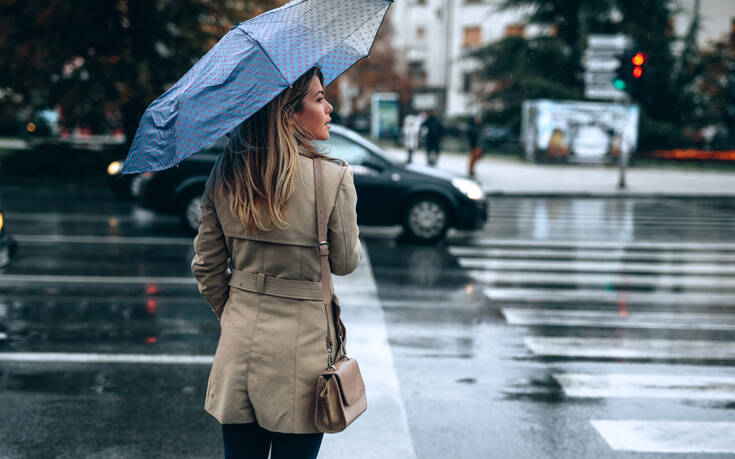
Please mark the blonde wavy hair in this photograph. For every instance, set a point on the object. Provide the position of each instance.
(260, 162)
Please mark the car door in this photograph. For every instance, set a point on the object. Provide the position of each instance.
(377, 182)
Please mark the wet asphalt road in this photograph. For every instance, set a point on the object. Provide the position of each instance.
(566, 328)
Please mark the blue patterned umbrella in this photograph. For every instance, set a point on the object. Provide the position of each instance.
(249, 66)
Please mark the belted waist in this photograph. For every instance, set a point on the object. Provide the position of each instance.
(274, 286)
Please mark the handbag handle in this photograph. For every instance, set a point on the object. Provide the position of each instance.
(321, 224)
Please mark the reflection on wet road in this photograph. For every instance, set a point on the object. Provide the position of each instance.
(567, 328)
(564, 323)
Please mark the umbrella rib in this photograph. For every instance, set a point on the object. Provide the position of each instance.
(362, 56)
(268, 56)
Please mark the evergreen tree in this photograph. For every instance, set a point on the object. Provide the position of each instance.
(716, 87)
(553, 62)
(523, 69)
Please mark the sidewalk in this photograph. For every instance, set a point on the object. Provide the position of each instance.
(513, 177)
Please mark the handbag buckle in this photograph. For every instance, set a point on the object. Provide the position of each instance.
(323, 248)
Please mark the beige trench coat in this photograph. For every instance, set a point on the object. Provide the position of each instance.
(272, 344)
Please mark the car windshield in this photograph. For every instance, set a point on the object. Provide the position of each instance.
(344, 148)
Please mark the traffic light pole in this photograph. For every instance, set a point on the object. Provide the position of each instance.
(622, 160)
(623, 155)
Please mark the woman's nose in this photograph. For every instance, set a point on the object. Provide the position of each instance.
(331, 108)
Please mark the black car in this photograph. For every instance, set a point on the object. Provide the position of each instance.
(424, 200)
(7, 244)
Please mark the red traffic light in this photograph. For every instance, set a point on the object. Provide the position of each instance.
(639, 59)
(637, 72)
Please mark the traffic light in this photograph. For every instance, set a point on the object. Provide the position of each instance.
(630, 69)
(638, 60)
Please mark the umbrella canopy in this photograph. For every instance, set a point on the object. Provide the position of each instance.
(249, 66)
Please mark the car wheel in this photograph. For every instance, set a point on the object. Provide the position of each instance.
(426, 219)
(190, 211)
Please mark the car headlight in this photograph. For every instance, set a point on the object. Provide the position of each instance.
(114, 168)
(469, 188)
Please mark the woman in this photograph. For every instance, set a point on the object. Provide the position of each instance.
(257, 264)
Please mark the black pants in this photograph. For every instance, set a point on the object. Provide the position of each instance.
(432, 153)
(250, 441)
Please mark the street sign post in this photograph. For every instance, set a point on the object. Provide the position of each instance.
(601, 61)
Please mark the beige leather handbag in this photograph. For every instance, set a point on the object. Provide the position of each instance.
(340, 390)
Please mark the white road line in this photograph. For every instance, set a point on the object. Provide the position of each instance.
(667, 436)
(554, 346)
(594, 266)
(552, 295)
(692, 386)
(71, 357)
(138, 216)
(506, 243)
(622, 280)
(631, 319)
(571, 253)
(368, 342)
(596, 218)
(611, 222)
(67, 239)
(368, 338)
(61, 279)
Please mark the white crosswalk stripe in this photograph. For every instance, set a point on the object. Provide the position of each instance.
(597, 267)
(643, 287)
(589, 254)
(679, 246)
(561, 295)
(711, 387)
(621, 319)
(663, 281)
(668, 436)
(629, 348)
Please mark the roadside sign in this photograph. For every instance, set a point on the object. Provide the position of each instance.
(600, 62)
(619, 42)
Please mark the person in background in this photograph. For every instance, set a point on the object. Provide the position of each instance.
(411, 128)
(474, 133)
(434, 133)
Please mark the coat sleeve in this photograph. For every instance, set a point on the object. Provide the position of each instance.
(345, 251)
(210, 265)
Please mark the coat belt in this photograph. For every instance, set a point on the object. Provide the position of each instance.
(274, 286)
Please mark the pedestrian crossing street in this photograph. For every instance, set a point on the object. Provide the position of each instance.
(640, 303)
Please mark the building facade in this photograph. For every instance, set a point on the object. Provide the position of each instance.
(431, 38)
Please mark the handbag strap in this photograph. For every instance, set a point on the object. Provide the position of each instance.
(321, 224)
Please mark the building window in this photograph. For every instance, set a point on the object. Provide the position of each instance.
(514, 30)
(466, 82)
(417, 72)
(472, 36)
(420, 33)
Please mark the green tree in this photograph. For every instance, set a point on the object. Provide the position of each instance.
(102, 63)
(523, 69)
